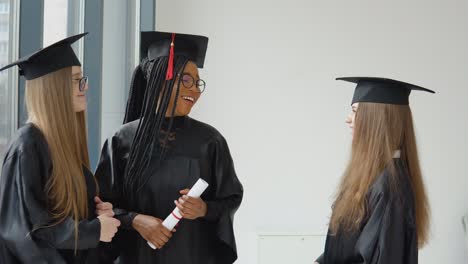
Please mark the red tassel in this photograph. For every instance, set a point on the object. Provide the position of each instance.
(170, 65)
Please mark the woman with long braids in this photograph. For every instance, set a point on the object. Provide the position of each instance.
(47, 192)
(149, 164)
(381, 212)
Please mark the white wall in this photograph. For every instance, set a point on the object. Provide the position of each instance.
(270, 75)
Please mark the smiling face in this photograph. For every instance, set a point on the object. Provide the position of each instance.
(188, 94)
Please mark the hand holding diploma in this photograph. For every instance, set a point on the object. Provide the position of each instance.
(152, 230)
(190, 207)
(197, 207)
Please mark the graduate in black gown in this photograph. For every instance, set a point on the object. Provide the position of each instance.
(380, 215)
(148, 165)
(47, 192)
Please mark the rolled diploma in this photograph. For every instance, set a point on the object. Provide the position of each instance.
(171, 221)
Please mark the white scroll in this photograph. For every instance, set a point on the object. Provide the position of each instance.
(174, 217)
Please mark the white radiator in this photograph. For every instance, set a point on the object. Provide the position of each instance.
(289, 248)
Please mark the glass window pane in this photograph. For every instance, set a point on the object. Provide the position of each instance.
(5, 90)
(55, 21)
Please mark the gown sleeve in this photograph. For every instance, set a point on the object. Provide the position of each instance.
(320, 259)
(388, 237)
(228, 192)
(26, 224)
(109, 175)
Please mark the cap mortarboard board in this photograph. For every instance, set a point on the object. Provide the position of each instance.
(155, 44)
(382, 90)
(49, 59)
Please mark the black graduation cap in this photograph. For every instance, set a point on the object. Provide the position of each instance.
(155, 44)
(382, 90)
(49, 59)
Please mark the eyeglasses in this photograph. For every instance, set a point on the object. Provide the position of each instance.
(188, 82)
(83, 81)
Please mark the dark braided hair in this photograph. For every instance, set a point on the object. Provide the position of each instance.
(136, 94)
(151, 109)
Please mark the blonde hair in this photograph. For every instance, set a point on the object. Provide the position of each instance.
(49, 103)
(380, 129)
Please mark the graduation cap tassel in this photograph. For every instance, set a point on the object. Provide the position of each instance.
(170, 66)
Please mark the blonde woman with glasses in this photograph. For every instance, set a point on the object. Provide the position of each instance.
(48, 196)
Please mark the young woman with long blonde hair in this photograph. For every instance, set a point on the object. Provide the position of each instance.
(381, 212)
(47, 192)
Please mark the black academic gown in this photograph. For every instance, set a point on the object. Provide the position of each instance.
(388, 236)
(195, 150)
(24, 215)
